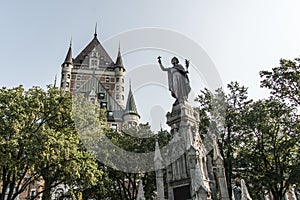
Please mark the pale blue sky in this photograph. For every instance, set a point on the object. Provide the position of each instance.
(240, 37)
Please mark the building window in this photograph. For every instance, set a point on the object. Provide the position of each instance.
(117, 96)
(107, 79)
(114, 126)
(122, 80)
(103, 105)
(117, 88)
(107, 87)
(68, 76)
(94, 54)
(78, 77)
(94, 63)
(67, 84)
(62, 76)
(101, 58)
(123, 97)
(101, 96)
(123, 89)
(129, 124)
(77, 85)
(117, 80)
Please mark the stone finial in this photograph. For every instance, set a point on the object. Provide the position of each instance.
(141, 193)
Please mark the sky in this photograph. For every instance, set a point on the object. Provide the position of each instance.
(240, 38)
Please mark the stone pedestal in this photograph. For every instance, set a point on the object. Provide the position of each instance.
(187, 175)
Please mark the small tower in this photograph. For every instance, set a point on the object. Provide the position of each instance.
(131, 116)
(66, 70)
(119, 74)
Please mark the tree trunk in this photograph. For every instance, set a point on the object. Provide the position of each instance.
(47, 191)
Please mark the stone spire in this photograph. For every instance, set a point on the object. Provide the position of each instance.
(158, 162)
(217, 154)
(141, 193)
(157, 155)
(220, 171)
(245, 193)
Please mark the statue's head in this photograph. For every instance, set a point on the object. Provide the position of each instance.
(174, 61)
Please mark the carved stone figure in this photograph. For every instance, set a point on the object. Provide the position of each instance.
(179, 84)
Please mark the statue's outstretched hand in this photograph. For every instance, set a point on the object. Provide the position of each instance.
(159, 60)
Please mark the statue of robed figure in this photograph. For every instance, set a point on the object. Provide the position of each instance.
(178, 80)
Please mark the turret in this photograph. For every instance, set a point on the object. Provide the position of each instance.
(131, 116)
(120, 74)
(66, 69)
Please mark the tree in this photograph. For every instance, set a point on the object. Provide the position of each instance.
(39, 140)
(283, 81)
(269, 153)
(222, 115)
(124, 185)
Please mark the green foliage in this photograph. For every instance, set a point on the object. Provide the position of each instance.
(269, 154)
(258, 140)
(222, 115)
(124, 185)
(283, 81)
(38, 139)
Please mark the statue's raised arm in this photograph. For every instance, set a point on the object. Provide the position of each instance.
(178, 80)
(160, 64)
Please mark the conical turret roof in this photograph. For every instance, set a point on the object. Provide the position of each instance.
(69, 59)
(130, 105)
(119, 61)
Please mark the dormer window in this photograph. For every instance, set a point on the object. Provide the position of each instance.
(101, 96)
(103, 105)
(107, 79)
(114, 126)
(110, 114)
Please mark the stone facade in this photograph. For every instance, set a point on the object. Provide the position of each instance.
(101, 80)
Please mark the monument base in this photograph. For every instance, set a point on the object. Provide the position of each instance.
(187, 175)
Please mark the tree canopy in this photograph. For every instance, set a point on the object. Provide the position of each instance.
(39, 140)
